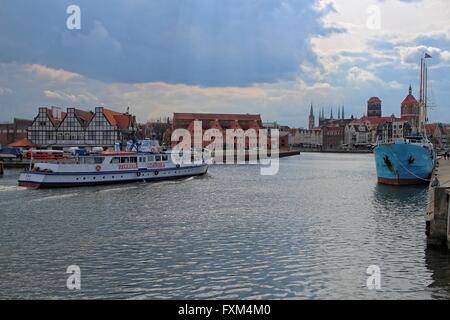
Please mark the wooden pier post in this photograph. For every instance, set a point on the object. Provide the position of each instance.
(1, 168)
(437, 216)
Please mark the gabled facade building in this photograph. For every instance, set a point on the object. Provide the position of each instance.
(53, 128)
(357, 135)
(438, 134)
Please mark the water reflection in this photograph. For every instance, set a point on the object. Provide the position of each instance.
(438, 262)
(391, 197)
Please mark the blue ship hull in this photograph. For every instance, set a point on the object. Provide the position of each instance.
(404, 164)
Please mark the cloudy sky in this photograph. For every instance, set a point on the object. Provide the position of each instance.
(272, 57)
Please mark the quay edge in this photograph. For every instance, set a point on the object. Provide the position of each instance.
(437, 213)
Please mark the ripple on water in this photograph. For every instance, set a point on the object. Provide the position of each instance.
(310, 232)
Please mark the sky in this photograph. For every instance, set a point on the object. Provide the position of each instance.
(269, 57)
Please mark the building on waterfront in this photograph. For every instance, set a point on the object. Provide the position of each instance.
(334, 134)
(53, 128)
(13, 131)
(221, 122)
(438, 135)
(372, 124)
(395, 129)
(357, 136)
(155, 130)
(305, 138)
(333, 130)
(333, 137)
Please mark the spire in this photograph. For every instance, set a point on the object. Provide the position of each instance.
(311, 112)
(331, 113)
(339, 113)
(343, 115)
(410, 89)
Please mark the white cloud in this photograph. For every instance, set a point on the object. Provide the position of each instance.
(408, 54)
(394, 85)
(68, 97)
(284, 101)
(360, 75)
(5, 91)
(401, 25)
(51, 73)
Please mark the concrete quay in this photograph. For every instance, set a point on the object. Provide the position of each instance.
(223, 157)
(437, 214)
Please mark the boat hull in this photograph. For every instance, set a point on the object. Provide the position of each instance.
(404, 164)
(40, 180)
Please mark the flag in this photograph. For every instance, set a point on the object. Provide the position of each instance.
(427, 56)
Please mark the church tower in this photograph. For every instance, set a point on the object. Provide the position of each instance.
(312, 120)
(410, 109)
(374, 107)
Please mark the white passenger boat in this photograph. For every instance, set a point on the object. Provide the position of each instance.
(107, 168)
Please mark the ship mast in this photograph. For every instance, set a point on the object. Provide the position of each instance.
(423, 117)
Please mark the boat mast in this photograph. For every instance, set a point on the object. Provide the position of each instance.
(423, 93)
(423, 104)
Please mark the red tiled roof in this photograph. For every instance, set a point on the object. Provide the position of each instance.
(216, 116)
(109, 115)
(375, 120)
(123, 121)
(409, 100)
(85, 116)
(22, 143)
(116, 118)
(432, 127)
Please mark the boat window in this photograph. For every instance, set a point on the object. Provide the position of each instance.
(165, 157)
(115, 160)
(133, 159)
(124, 160)
(151, 158)
(99, 160)
(89, 160)
(158, 158)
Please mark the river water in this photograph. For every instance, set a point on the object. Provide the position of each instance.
(309, 232)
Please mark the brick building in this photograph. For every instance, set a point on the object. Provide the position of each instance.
(13, 131)
(220, 122)
(410, 110)
(333, 136)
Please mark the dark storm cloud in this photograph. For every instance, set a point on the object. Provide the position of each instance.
(205, 42)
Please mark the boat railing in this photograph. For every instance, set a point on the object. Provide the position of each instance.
(59, 161)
